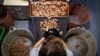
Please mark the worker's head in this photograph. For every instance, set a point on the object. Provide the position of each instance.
(52, 48)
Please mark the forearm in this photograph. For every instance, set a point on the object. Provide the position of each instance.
(64, 45)
(37, 44)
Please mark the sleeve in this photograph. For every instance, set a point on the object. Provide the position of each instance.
(69, 52)
(35, 51)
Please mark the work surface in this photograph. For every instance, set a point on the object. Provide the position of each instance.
(93, 25)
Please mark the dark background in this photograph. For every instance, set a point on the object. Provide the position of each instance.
(93, 25)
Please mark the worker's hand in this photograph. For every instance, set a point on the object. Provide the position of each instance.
(53, 32)
(46, 34)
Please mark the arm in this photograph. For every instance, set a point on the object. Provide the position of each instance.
(37, 44)
(68, 51)
(35, 50)
(64, 45)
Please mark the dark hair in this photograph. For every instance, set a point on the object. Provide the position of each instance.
(52, 49)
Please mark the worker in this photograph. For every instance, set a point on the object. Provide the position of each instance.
(51, 44)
